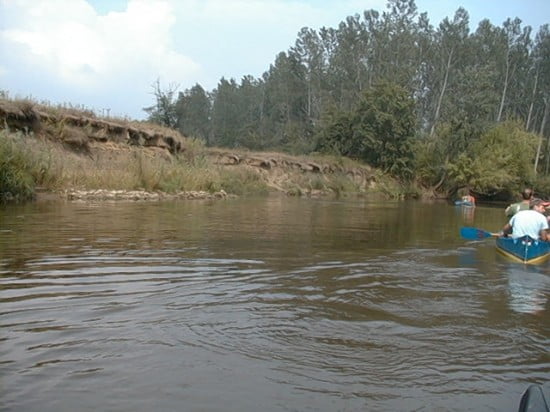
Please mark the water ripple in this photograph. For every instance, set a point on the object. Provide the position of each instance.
(334, 325)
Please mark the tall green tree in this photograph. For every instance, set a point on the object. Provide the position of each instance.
(380, 130)
(193, 113)
(308, 52)
(286, 100)
(225, 114)
(400, 56)
(251, 117)
(541, 92)
(514, 43)
(347, 70)
(385, 122)
(451, 39)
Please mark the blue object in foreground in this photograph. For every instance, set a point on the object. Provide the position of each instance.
(536, 399)
(473, 233)
(524, 249)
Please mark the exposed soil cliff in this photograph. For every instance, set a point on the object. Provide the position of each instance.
(82, 134)
(76, 131)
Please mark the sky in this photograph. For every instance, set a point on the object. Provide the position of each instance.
(107, 55)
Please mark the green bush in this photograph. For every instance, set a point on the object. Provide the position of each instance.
(23, 167)
(505, 154)
(16, 182)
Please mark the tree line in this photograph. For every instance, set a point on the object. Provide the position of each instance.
(443, 107)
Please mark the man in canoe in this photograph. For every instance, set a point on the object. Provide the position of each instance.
(468, 199)
(527, 196)
(531, 222)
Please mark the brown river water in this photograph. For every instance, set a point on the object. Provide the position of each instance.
(269, 304)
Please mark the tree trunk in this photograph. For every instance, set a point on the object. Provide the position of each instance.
(309, 99)
(505, 89)
(527, 123)
(541, 133)
(440, 99)
(542, 127)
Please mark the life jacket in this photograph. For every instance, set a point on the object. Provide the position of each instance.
(512, 209)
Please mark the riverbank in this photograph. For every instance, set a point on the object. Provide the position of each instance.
(75, 155)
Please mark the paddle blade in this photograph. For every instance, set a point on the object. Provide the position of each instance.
(474, 233)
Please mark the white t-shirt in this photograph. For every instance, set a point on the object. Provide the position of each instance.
(528, 222)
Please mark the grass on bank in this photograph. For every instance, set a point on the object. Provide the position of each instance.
(28, 163)
(24, 165)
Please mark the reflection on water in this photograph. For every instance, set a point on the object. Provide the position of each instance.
(467, 213)
(528, 287)
(264, 304)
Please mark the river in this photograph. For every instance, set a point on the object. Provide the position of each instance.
(271, 304)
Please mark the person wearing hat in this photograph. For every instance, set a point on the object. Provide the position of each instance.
(526, 197)
(530, 222)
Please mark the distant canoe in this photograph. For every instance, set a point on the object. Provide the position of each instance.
(463, 203)
(524, 249)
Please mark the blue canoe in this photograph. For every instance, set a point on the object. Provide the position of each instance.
(524, 249)
(463, 203)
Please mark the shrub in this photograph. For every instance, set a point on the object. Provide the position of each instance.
(25, 163)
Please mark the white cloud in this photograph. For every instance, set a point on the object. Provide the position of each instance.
(67, 41)
(71, 50)
(87, 50)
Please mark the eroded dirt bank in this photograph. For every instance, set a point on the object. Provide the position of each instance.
(87, 138)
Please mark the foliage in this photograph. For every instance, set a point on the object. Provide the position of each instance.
(193, 113)
(429, 161)
(24, 165)
(378, 130)
(334, 137)
(384, 123)
(15, 178)
(500, 161)
(163, 112)
(542, 187)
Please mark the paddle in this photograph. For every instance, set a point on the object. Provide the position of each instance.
(475, 233)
